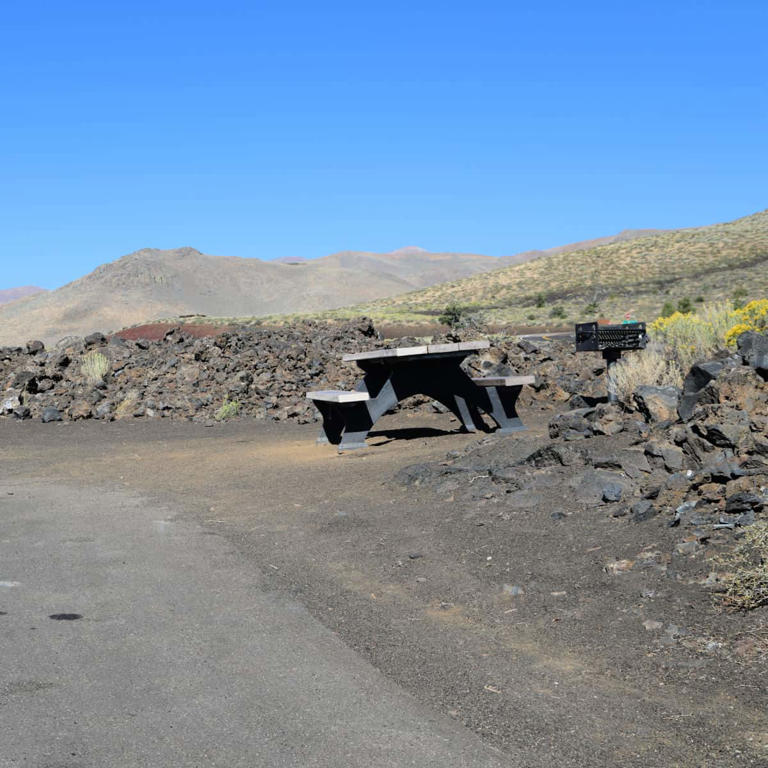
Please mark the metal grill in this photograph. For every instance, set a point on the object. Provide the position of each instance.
(591, 337)
(611, 340)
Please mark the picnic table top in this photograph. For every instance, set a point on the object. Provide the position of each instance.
(459, 348)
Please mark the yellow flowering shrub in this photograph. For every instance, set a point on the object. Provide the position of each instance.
(690, 337)
(752, 317)
(735, 331)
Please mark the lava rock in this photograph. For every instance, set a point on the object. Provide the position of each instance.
(753, 348)
(557, 455)
(95, 339)
(643, 510)
(697, 379)
(50, 413)
(35, 346)
(743, 502)
(10, 400)
(657, 404)
(571, 425)
(612, 492)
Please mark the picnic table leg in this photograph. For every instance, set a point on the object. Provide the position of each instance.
(357, 424)
(503, 410)
(465, 413)
(360, 418)
(333, 423)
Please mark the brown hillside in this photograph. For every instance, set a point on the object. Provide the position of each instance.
(12, 294)
(152, 283)
(636, 274)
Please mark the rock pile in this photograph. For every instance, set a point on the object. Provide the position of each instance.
(266, 372)
(698, 458)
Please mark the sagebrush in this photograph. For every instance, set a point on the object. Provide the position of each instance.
(94, 366)
(746, 577)
(648, 367)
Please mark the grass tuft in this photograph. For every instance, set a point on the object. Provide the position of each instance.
(94, 367)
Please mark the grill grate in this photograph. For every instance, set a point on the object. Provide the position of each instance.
(591, 337)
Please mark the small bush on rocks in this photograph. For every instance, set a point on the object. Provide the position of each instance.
(228, 410)
(94, 367)
(689, 337)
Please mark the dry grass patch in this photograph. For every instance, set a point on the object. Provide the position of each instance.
(648, 367)
(94, 367)
(746, 578)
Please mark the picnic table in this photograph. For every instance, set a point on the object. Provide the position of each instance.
(434, 370)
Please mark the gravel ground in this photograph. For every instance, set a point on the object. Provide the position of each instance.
(515, 622)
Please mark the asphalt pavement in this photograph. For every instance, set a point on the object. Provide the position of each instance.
(131, 636)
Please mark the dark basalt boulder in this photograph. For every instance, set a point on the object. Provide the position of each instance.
(753, 348)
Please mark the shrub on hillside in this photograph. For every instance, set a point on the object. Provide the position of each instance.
(557, 312)
(452, 315)
(668, 309)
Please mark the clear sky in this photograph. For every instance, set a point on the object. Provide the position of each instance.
(304, 128)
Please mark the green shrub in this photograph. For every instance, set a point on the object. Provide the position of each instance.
(684, 306)
(668, 309)
(452, 315)
(557, 312)
(539, 301)
(592, 308)
(228, 410)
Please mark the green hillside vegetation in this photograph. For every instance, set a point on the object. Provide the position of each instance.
(643, 276)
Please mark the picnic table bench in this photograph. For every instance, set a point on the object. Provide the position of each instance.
(434, 370)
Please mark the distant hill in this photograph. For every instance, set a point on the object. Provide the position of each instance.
(11, 294)
(583, 245)
(636, 271)
(150, 284)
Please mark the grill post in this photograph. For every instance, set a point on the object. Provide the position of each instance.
(611, 357)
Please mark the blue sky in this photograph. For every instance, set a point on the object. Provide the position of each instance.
(304, 128)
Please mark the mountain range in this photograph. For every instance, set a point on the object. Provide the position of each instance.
(150, 284)
(645, 276)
